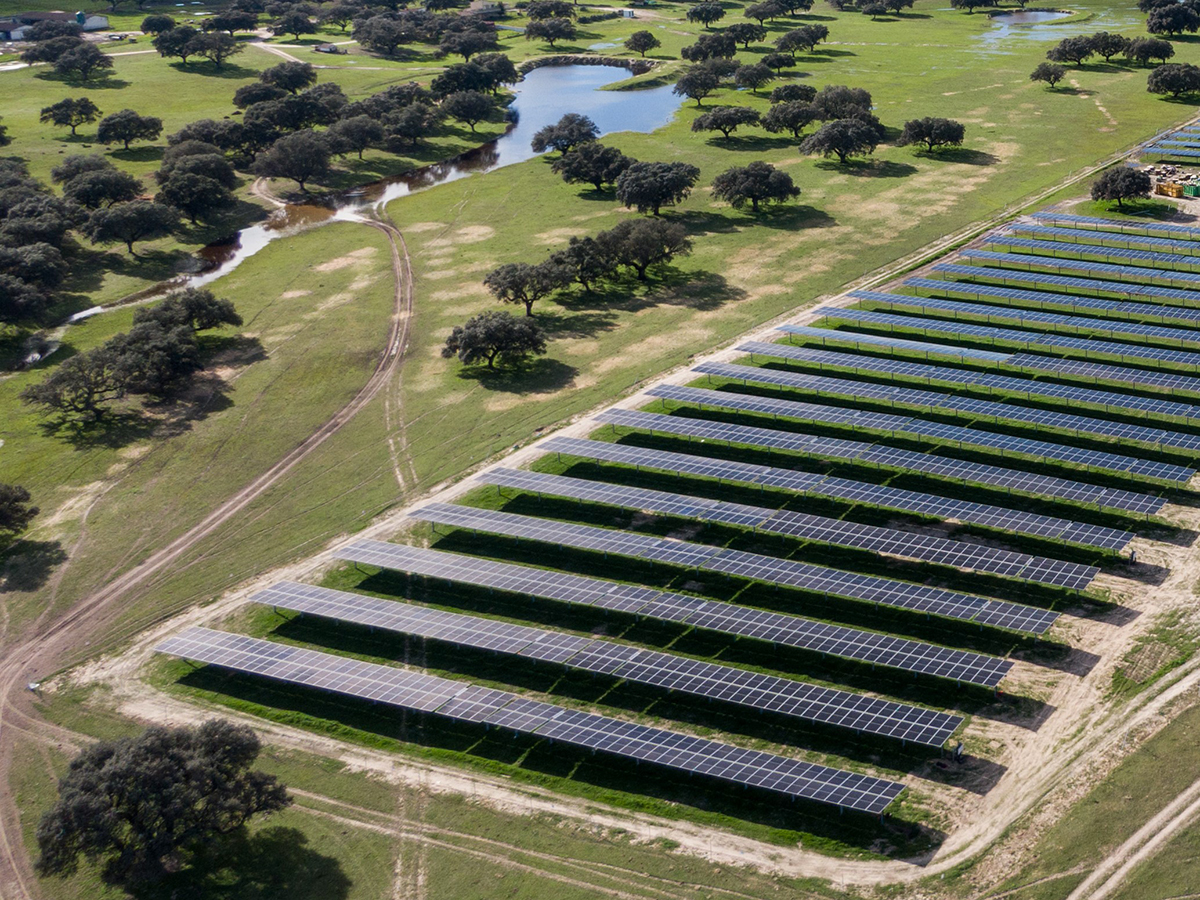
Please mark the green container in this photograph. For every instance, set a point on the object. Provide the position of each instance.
(1191, 190)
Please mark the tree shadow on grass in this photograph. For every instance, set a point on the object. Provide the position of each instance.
(872, 168)
(962, 155)
(540, 376)
(760, 143)
(74, 84)
(828, 54)
(696, 290)
(793, 217)
(227, 70)
(273, 863)
(570, 324)
(27, 565)
(138, 154)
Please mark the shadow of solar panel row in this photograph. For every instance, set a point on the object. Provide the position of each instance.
(1048, 527)
(992, 312)
(1160, 261)
(1090, 236)
(456, 700)
(1091, 285)
(1040, 340)
(1073, 302)
(807, 527)
(1118, 224)
(1079, 368)
(1172, 152)
(754, 690)
(695, 612)
(989, 409)
(753, 566)
(971, 378)
(875, 454)
(877, 340)
(1129, 273)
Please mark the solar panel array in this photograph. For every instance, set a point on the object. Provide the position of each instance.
(465, 702)
(875, 340)
(1148, 406)
(1118, 224)
(874, 454)
(1079, 368)
(1047, 527)
(1133, 273)
(1042, 299)
(1166, 260)
(807, 527)
(1035, 317)
(1171, 151)
(985, 408)
(1089, 235)
(752, 566)
(683, 609)
(1090, 285)
(709, 681)
(1028, 339)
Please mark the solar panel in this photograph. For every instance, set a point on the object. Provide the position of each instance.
(1119, 224)
(1046, 527)
(707, 615)
(876, 340)
(1172, 152)
(427, 693)
(1050, 320)
(1161, 262)
(875, 454)
(1131, 273)
(1149, 406)
(895, 394)
(1102, 372)
(752, 566)
(806, 527)
(1042, 299)
(697, 678)
(1027, 339)
(1088, 285)
(1090, 235)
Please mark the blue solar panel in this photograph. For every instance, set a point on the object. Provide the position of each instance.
(988, 409)
(1036, 317)
(1027, 339)
(1133, 273)
(1117, 224)
(1078, 368)
(1116, 308)
(1090, 285)
(1165, 260)
(1150, 406)
(1090, 236)
(1160, 150)
(880, 455)
(875, 340)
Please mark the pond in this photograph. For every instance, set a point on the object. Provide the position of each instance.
(1018, 25)
(543, 97)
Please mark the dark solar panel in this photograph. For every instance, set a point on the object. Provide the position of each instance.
(675, 673)
(1078, 368)
(1069, 282)
(1129, 273)
(1159, 262)
(984, 409)
(1049, 320)
(1042, 300)
(806, 527)
(881, 455)
(1047, 527)
(754, 566)
(710, 615)
(878, 340)
(1172, 152)
(427, 693)
(1091, 235)
(1149, 406)
(1040, 340)
(1118, 224)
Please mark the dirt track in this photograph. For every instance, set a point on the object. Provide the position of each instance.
(64, 639)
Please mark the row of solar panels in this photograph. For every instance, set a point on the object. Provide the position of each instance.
(459, 701)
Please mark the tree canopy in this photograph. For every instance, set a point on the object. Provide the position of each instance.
(759, 183)
(706, 13)
(102, 187)
(82, 62)
(842, 138)
(720, 45)
(71, 112)
(495, 336)
(524, 283)
(1172, 20)
(592, 163)
(1050, 73)
(793, 116)
(1121, 183)
(1075, 50)
(290, 76)
(642, 243)
(15, 510)
(642, 42)
(725, 119)
(551, 30)
(695, 84)
(471, 107)
(753, 76)
(746, 32)
(127, 126)
(1175, 79)
(568, 132)
(140, 805)
(1143, 51)
(649, 186)
(300, 156)
(932, 133)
